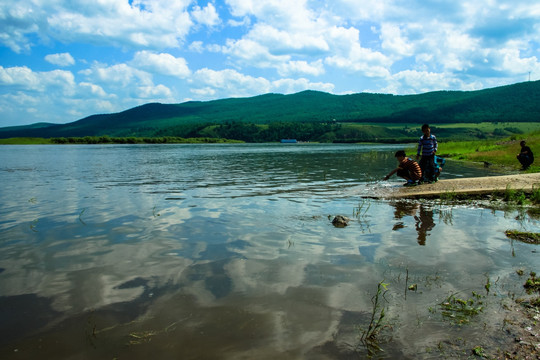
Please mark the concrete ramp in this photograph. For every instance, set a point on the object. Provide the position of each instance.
(467, 186)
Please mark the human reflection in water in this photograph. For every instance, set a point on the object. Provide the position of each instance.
(422, 214)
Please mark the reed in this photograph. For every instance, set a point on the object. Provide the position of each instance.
(369, 337)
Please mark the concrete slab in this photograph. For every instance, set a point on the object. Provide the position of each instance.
(482, 185)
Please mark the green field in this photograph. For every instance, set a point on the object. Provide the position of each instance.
(448, 132)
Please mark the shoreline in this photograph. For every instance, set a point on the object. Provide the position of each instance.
(527, 183)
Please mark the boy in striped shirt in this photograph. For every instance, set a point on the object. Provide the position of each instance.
(428, 147)
(407, 169)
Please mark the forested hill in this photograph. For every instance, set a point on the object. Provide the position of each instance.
(513, 103)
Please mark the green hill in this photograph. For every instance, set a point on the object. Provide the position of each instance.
(316, 114)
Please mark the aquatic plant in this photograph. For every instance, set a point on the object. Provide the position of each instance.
(460, 310)
(523, 236)
(533, 283)
(488, 284)
(369, 337)
(80, 216)
(362, 208)
(33, 225)
(478, 351)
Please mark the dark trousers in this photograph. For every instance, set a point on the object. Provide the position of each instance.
(525, 160)
(427, 164)
(404, 174)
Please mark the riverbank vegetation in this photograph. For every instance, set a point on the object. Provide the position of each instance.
(493, 149)
(115, 140)
(492, 152)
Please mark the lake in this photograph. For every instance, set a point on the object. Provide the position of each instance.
(228, 252)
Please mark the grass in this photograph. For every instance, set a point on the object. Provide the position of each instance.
(495, 152)
(514, 196)
(25, 141)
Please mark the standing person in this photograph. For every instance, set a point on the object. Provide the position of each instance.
(407, 169)
(427, 146)
(525, 156)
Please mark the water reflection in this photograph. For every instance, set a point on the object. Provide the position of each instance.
(220, 251)
(422, 214)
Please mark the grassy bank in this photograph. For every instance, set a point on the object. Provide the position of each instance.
(25, 141)
(496, 152)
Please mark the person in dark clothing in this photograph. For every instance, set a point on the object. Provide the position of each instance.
(427, 147)
(525, 156)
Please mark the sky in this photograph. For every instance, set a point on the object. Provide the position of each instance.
(63, 60)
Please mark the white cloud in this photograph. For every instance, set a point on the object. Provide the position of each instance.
(281, 42)
(133, 86)
(164, 64)
(290, 86)
(394, 42)
(206, 16)
(415, 82)
(315, 68)
(230, 81)
(153, 92)
(366, 10)
(147, 23)
(120, 75)
(93, 89)
(140, 49)
(23, 78)
(63, 59)
(196, 46)
(252, 53)
(213, 84)
(511, 62)
(236, 23)
(19, 77)
(18, 20)
(363, 61)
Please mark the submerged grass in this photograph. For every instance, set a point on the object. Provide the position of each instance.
(533, 283)
(460, 311)
(526, 237)
(369, 337)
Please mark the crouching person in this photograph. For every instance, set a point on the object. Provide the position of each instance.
(525, 156)
(407, 168)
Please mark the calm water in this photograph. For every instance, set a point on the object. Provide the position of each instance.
(228, 252)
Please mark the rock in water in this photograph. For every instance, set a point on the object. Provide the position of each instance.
(340, 221)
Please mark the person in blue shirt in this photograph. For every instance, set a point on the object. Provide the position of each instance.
(427, 147)
(439, 163)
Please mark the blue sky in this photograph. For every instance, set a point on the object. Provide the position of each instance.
(62, 60)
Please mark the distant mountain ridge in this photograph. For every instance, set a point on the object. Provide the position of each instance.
(512, 103)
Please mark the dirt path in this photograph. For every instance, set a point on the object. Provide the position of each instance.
(472, 186)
